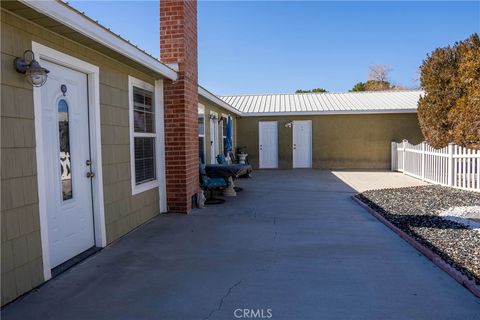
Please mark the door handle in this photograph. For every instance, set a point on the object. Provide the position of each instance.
(90, 174)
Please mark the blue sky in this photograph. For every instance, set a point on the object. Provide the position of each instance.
(279, 46)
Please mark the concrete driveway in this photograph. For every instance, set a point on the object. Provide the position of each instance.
(292, 245)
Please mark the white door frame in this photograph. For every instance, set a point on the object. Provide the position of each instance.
(93, 73)
(259, 145)
(293, 142)
(214, 143)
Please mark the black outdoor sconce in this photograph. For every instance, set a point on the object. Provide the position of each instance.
(35, 74)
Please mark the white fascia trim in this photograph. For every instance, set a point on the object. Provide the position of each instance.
(213, 98)
(319, 113)
(76, 21)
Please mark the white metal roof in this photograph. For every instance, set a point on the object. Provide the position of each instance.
(74, 19)
(325, 103)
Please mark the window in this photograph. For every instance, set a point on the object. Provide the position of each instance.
(64, 137)
(201, 132)
(143, 136)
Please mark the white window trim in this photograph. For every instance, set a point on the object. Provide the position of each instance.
(202, 107)
(93, 74)
(158, 105)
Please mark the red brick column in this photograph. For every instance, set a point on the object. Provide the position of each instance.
(178, 43)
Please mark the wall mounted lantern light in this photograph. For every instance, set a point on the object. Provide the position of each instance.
(35, 74)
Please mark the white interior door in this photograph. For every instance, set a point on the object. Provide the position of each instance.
(66, 152)
(214, 147)
(302, 144)
(268, 144)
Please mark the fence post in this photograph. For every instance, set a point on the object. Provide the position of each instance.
(423, 159)
(450, 165)
(404, 147)
(393, 156)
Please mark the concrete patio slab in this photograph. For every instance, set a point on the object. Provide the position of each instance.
(293, 242)
(363, 180)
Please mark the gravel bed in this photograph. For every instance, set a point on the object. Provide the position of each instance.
(418, 212)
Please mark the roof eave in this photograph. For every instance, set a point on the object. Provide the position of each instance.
(319, 113)
(213, 98)
(64, 14)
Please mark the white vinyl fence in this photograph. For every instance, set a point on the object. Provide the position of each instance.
(452, 166)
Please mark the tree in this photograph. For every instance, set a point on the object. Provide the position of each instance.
(377, 85)
(359, 86)
(379, 72)
(450, 109)
(315, 90)
(378, 80)
(373, 85)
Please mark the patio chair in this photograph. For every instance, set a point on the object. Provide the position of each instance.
(211, 184)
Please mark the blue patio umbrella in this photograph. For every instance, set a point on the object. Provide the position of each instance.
(229, 140)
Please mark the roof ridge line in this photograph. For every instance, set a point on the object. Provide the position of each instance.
(319, 93)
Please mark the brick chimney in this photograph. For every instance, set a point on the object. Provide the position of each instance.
(178, 44)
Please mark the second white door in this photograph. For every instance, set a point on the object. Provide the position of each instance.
(268, 144)
(302, 144)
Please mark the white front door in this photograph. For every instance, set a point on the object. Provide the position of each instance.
(214, 147)
(302, 144)
(67, 155)
(268, 144)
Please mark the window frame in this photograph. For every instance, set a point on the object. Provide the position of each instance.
(148, 185)
(201, 110)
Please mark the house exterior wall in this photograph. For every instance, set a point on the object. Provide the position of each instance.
(20, 240)
(338, 141)
(210, 107)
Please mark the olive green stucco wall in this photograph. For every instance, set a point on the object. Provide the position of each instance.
(21, 245)
(209, 106)
(338, 141)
